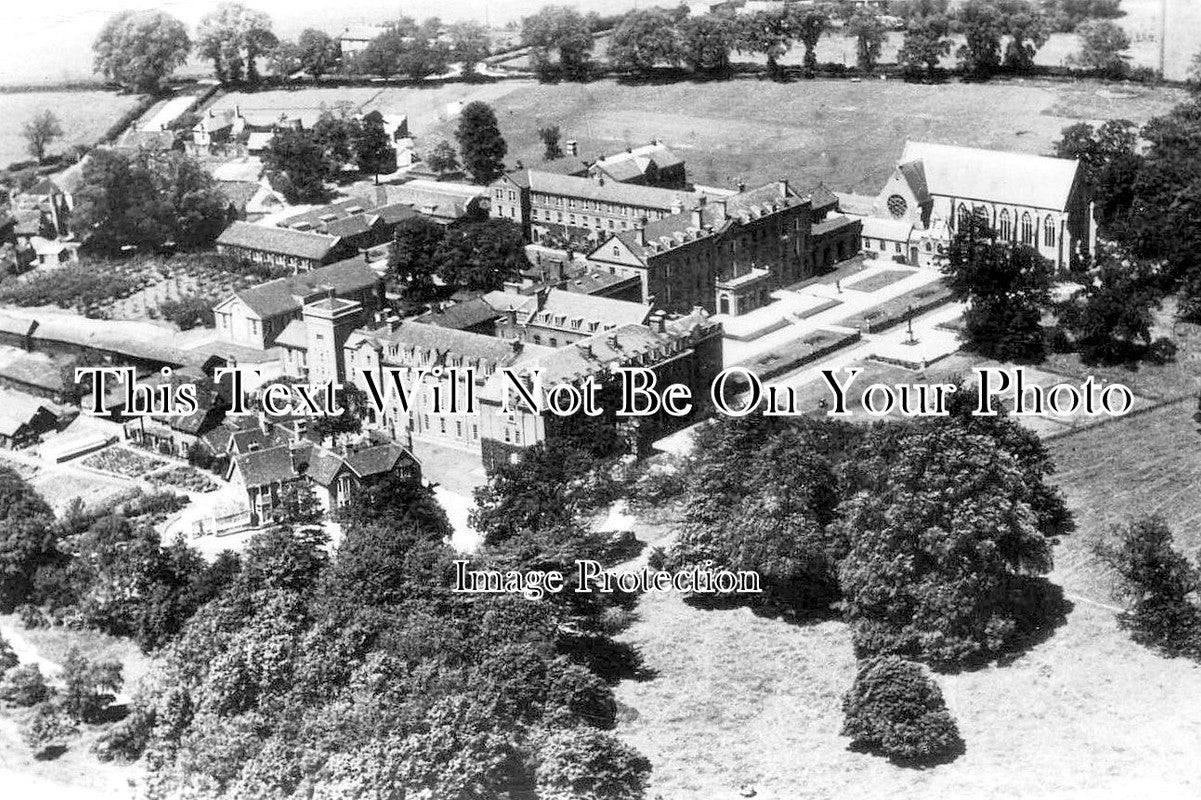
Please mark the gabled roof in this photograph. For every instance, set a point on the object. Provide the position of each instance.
(821, 197)
(272, 465)
(410, 335)
(285, 295)
(634, 162)
(239, 193)
(972, 173)
(557, 304)
(147, 140)
(375, 460)
(461, 316)
(295, 335)
(270, 239)
(914, 173)
(607, 191)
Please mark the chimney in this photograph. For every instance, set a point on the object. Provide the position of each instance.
(782, 185)
(658, 322)
(698, 217)
(641, 228)
(677, 205)
(511, 315)
(515, 344)
(611, 340)
(741, 186)
(573, 147)
(721, 208)
(585, 347)
(237, 111)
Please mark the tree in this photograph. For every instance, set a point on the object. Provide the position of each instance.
(138, 49)
(88, 687)
(298, 504)
(317, 52)
(1110, 315)
(1103, 46)
(1159, 583)
(233, 37)
(480, 142)
(24, 686)
(373, 148)
(869, 32)
(27, 539)
(469, 44)
(642, 40)
(587, 764)
(8, 656)
(706, 42)
(942, 537)
(1066, 15)
(561, 30)
(810, 23)
(529, 496)
(770, 33)
(39, 132)
(982, 25)
(549, 134)
(48, 730)
(481, 254)
(1111, 164)
(925, 44)
(336, 134)
(298, 155)
(443, 158)
(411, 262)
(895, 709)
(1007, 287)
(1028, 30)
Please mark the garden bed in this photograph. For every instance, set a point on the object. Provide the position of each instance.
(187, 478)
(124, 462)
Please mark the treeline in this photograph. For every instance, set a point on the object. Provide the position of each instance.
(999, 36)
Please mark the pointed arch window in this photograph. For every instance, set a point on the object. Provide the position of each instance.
(964, 216)
(1027, 228)
(1006, 225)
(1049, 232)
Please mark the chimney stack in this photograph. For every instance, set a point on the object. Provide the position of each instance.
(641, 228)
(782, 184)
(677, 205)
(585, 348)
(721, 208)
(698, 217)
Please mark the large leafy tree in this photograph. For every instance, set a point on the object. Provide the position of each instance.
(233, 37)
(925, 44)
(706, 42)
(480, 143)
(411, 262)
(563, 31)
(810, 23)
(771, 33)
(587, 764)
(302, 160)
(373, 149)
(941, 531)
(39, 132)
(1028, 30)
(317, 52)
(1111, 314)
(643, 40)
(1103, 46)
(469, 44)
(138, 49)
(982, 24)
(480, 255)
(27, 538)
(869, 32)
(1007, 287)
(1111, 164)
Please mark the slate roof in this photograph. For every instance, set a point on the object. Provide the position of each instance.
(606, 311)
(821, 197)
(410, 335)
(270, 239)
(973, 173)
(272, 465)
(295, 335)
(239, 193)
(461, 316)
(633, 163)
(285, 295)
(148, 140)
(607, 192)
(375, 460)
(830, 225)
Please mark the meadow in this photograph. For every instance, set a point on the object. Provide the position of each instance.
(847, 135)
(84, 117)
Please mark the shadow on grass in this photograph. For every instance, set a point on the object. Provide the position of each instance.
(919, 763)
(610, 660)
(112, 713)
(50, 753)
(797, 603)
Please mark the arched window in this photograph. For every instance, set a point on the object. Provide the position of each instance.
(1027, 228)
(964, 216)
(1048, 232)
(1005, 226)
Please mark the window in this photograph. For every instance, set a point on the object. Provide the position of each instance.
(1027, 228)
(1006, 227)
(1048, 232)
(964, 215)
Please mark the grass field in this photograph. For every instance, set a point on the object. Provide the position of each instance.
(846, 134)
(84, 117)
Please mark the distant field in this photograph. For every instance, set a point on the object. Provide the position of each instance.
(84, 117)
(846, 134)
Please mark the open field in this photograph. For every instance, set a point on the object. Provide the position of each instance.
(84, 117)
(846, 134)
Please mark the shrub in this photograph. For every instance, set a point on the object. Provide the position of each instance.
(577, 695)
(127, 739)
(89, 686)
(895, 709)
(8, 657)
(47, 731)
(31, 616)
(24, 686)
(582, 764)
(1161, 351)
(191, 311)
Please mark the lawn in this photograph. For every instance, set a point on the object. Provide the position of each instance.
(848, 135)
(84, 117)
(742, 700)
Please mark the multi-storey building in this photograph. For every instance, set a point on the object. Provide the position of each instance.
(556, 317)
(722, 254)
